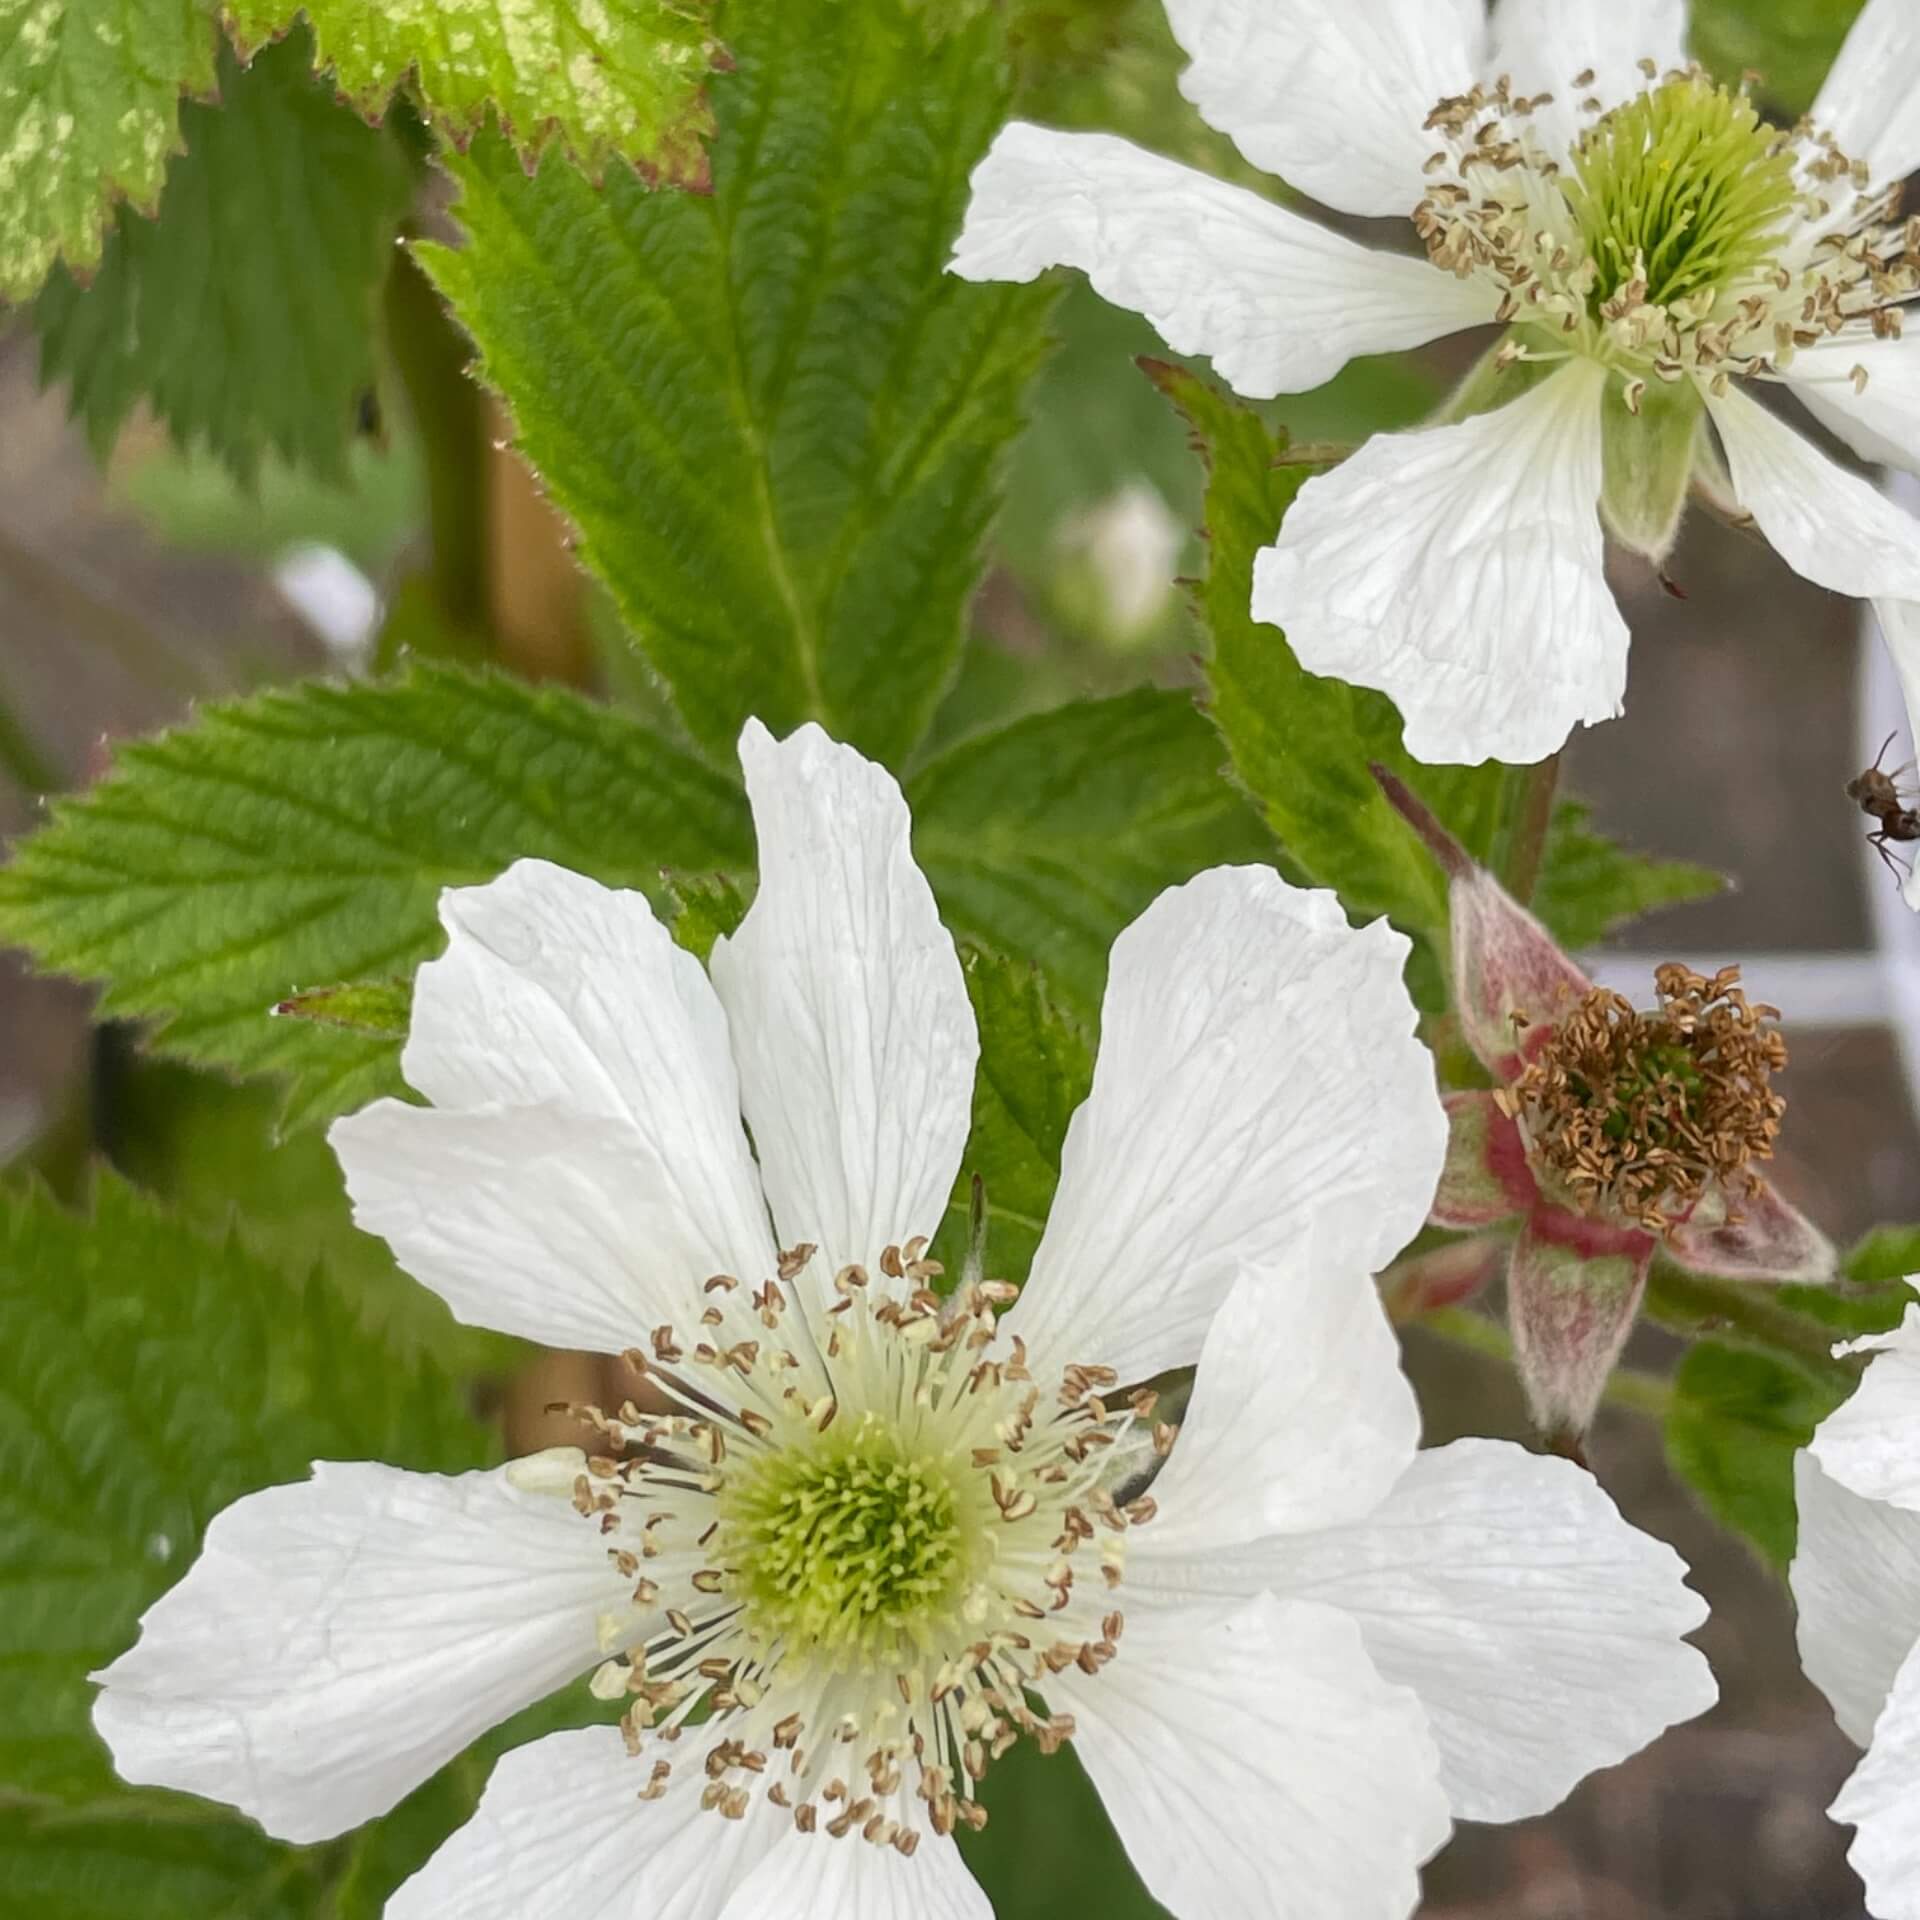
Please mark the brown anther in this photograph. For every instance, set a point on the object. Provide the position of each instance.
(1638, 1114)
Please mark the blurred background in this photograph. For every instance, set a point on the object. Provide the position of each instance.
(140, 572)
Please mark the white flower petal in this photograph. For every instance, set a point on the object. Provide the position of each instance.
(530, 1220)
(1870, 103)
(1334, 99)
(1541, 1631)
(1258, 1074)
(341, 1639)
(1830, 526)
(1300, 1417)
(1883, 423)
(557, 991)
(1856, 1582)
(1460, 570)
(1277, 302)
(850, 1018)
(1879, 1800)
(1542, 45)
(818, 1878)
(1871, 1443)
(562, 1834)
(1255, 1762)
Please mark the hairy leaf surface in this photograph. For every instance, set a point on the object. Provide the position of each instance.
(775, 421)
(243, 314)
(89, 112)
(301, 838)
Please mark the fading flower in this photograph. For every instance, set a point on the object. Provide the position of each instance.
(1654, 249)
(874, 1536)
(1612, 1133)
(1856, 1582)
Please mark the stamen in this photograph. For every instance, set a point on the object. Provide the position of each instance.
(859, 1548)
(1680, 237)
(1642, 1114)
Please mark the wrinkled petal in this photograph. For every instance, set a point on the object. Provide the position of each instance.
(1830, 526)
(1574, 1288)
(1277, 302)
(1459, 570)
(1900, 629)
(529, 1220)
(555, 991)
(1879, 1801)
(1511, 982)
(1769, 1241)
(1486, 1178)
(1870, 103)
(1334, 99)
(852, 1879)
(1871, 1443)
(562, 1834)
(1300, 1417)
(850, 1018)
(1856, 1583)
(1258, 1074)
(1544, 45)
(1255, 1762)
(1541, 1631)
(341, 1639)
(1883, 423)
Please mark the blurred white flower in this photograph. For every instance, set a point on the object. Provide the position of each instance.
(1856, 1581)
(1119, 558)
(877, 1537)
(1653, 248)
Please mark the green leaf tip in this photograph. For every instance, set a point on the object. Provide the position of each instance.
(600, 79)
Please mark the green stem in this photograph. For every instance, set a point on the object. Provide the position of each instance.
(449, 415)
(1528, 824)
(1745, 1312)
(1632, 1391)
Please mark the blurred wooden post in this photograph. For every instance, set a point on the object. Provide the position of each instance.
(536, 593)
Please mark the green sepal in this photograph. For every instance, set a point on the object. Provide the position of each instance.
(1649, 432)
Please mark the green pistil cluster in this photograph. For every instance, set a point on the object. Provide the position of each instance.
(1684, 185)
(1656, 1095)
(849, 1547)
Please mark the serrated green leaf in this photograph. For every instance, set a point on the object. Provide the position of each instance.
(213, 1151)
(1045, 837)
(1737, 1419)
(705, 910)
(243, 314)
(602, 78)
(1035, 1069)
(303, 836)
(106, 1862)
(775, 421)
(1302, 744)
(1740, 1415)
(382, 1009)
(1589, 886)
(151, 1375)
(89, 112)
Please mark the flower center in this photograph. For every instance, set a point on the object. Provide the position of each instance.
(862, 1540)
(849, 1545)
(1642, 1114)
(1683, 188)
(1680, 239)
